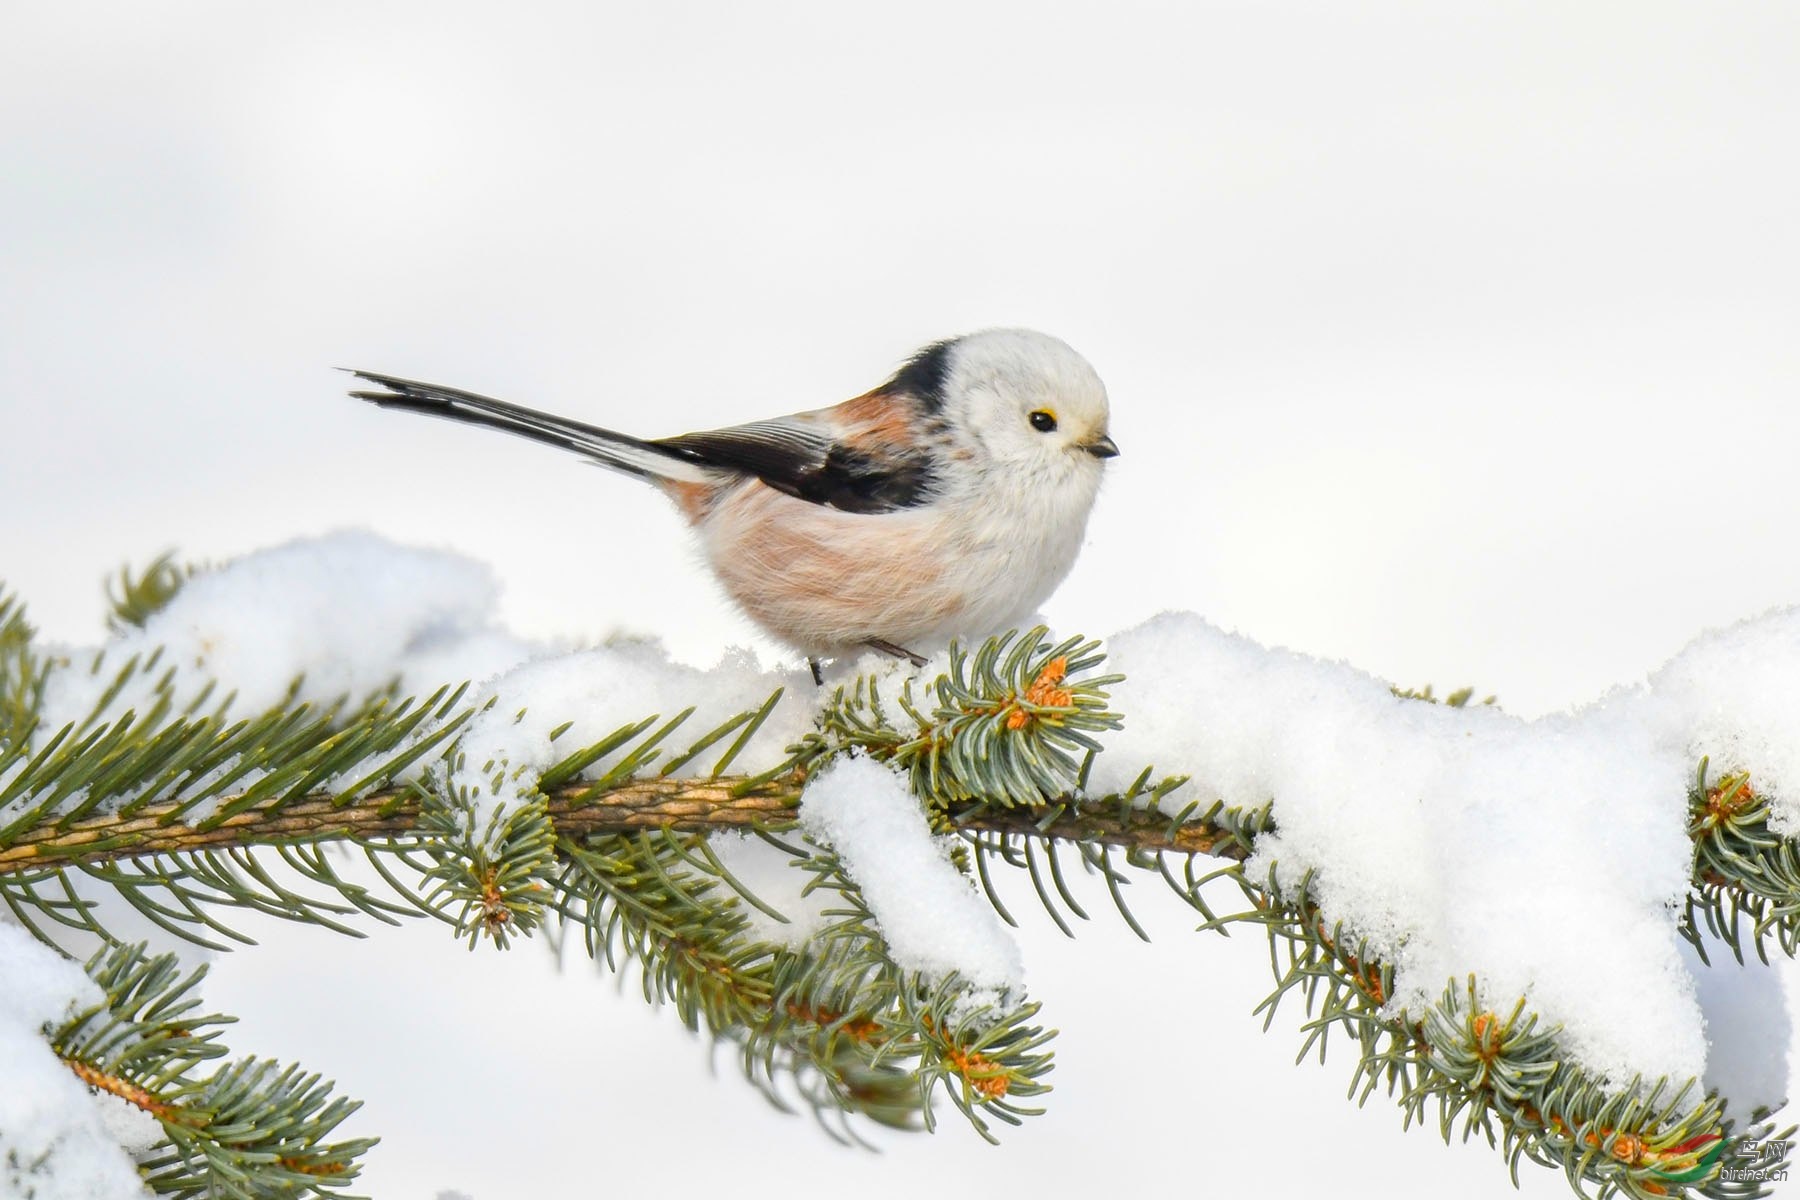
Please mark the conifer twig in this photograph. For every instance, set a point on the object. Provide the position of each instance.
(678, 805)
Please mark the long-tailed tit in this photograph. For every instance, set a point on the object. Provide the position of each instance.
(950, 500)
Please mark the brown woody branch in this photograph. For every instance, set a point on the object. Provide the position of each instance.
(683, 805)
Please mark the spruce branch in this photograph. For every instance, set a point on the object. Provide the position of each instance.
(249, 1130)
(22, 674)
(133, 599)
(1743, 870)
(188, 816)
(680, 805)
(1507, 1078)
(1007, 725)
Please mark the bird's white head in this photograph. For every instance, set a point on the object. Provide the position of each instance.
(1025, 400)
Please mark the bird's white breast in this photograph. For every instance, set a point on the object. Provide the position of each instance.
(826, 581)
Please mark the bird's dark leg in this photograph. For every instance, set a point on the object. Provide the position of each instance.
(897, 651)
(818, 676)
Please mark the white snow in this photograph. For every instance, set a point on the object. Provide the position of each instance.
(506, 747)
(55, 1140)
(1733, 695)
(348, 614)
(1549, 856)
(1545, 855)
(931, 915)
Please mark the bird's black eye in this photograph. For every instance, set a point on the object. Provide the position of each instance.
(1042, 421)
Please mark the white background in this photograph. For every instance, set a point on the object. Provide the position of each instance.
(1457, 341)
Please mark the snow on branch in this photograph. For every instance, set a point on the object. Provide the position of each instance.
(1512, 919)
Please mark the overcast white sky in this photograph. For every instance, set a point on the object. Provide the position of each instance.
(1454, 340)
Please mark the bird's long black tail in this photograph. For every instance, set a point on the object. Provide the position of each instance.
(617, 450)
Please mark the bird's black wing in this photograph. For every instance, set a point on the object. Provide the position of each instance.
(800, 456)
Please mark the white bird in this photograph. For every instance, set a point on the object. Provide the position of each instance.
(951, 500)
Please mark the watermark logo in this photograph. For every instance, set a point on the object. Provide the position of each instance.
(1756, 1161)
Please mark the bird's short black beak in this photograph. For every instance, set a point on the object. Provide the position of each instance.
(1102, 447)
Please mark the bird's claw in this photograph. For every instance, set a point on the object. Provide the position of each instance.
(887, 647)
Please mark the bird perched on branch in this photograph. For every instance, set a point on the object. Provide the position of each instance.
(950, 500)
